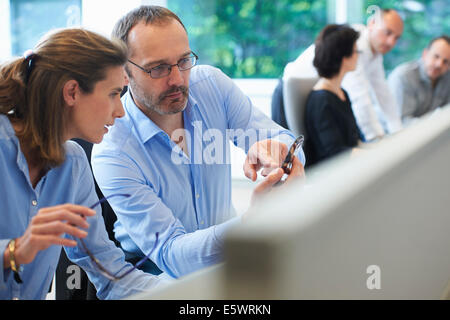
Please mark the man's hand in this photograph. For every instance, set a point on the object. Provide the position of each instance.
(265, 154)
(265, 186)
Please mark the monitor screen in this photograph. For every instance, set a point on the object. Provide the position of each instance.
(376, 226)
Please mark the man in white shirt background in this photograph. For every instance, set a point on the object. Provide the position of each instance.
(372, 101)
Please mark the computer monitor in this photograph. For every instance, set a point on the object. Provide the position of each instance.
(376, 226)
(373, 227)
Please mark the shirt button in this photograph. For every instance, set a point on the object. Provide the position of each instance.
(197, 196)
(34, 203)
(202, 222)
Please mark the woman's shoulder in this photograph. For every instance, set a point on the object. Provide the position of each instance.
(6, 129)
(75, 153)
(320, 97)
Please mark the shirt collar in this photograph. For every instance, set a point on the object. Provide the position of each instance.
(145, 127)
(363, 42)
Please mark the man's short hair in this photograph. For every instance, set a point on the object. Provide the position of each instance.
(147, 14)
(333, 44)
(444, 37)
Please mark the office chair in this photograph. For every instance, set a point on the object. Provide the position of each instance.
(277, 105)
(295, 93)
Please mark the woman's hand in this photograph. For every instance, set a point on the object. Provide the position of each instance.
(48, 228)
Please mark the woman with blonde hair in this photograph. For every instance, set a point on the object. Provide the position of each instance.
(67, 87)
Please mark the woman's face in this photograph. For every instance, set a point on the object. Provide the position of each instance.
(94, 112)
(351, 62)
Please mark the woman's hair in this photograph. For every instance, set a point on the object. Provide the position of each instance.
(333, 43)
(31, 87)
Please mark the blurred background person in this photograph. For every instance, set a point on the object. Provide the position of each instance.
(373, 104)
(329, 120)
(423, 85)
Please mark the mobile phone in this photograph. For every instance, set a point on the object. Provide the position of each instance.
(287, 163)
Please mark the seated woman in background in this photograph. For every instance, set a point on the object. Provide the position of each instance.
(69, 87)
(329, 120)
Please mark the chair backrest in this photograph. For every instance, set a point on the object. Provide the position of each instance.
(108, 213)
(277, 105)
(295, 93)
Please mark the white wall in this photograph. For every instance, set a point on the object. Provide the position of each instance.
(101, 15)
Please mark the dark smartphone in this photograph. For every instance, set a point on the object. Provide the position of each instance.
(287, 163)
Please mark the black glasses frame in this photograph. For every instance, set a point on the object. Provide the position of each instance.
(101, 269)
(170, 66)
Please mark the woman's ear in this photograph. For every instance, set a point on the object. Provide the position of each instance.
(70, 92)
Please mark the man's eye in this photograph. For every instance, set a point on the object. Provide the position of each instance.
(184, 62)
(160, 68)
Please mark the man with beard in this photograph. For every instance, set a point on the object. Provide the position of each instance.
(423, 85)
(171, 153)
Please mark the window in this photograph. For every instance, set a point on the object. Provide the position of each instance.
(250, 38)
(256, 38)
(31, 19)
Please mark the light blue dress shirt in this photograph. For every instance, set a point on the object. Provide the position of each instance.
(184, 197)
(71, 182)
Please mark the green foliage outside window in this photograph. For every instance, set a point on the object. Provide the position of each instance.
(31, 19)
(250, 38)
(257, 38)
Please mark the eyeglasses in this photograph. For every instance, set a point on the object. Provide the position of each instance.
(287, 163)
(101, 269)
(163, 70)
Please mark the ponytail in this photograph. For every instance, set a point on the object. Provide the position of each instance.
(13, 88)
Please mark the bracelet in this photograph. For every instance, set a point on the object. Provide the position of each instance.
(12, 260)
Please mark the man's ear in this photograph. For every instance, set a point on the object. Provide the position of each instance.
(70, 92)
(424, 53)
(126, 78)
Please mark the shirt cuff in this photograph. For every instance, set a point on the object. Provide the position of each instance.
(5, 274)
(288, 140)
(395, 126)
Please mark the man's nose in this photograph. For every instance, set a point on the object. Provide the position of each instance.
(175, 78)
(392, 40)
(438, 63)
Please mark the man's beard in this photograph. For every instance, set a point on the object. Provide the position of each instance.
(155, 105)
